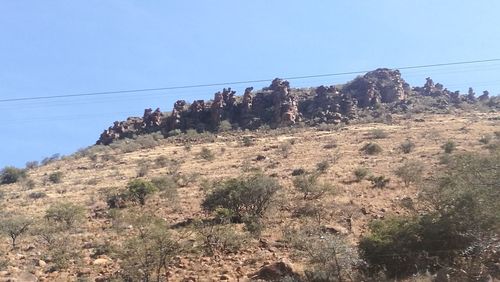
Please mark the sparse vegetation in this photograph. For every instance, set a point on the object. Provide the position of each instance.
(323, 166)
(449, 146)
(147, 255)
(311, 187)
(485, 139)
(410, 172)
(361, 173)
(371, 148)
(247, 141)
(66, 213)
(167, 185)
(56, 177)
(379, 134)
(10, 174)
(194, 222)
(207, 154)
(139, 190)
(379, 181)
(14, 226)
(407, 146)
(285, 149)
(245, 197)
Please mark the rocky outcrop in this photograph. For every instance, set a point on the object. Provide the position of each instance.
(378, 86)
(280, 105)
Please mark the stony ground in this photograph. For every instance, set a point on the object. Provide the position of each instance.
(86, 181)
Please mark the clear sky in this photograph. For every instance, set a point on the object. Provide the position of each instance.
(67, 47)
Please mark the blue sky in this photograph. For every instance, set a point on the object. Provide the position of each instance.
(66, 47)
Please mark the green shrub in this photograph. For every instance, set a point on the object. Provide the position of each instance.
(379, 133)
(56, 177)
(139, 190)
(457, 231)
(225, 126)
(174, 132)
(32, 164)
(449, 146)
(222, 239)
(14, 226)
(27, 184)
(298, 171)
(37, 195)
(360, 173)
(323, 166)
(285, 149)
(10, 174)
(393, 246)
(311, 187)
(247, 141)
(207, 154)
(65, 212)
(244, 196)
(371, 148)
(379, 181)
(147, 255)
(167, 185)
(410, 172)
(407, 146)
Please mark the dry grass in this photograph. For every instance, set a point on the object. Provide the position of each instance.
(87, 180)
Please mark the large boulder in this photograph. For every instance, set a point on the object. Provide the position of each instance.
(378, 86)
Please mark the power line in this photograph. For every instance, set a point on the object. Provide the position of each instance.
(234, 82)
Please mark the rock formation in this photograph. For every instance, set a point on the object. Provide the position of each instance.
(279, 105)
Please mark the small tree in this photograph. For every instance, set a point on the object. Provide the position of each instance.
(147, 255)
(11, 174)
(139, 189)
(311, 187)
(410, 172)
(65, 212)
(14, 226)
(246, 197)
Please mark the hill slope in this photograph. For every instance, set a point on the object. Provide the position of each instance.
(190, 164)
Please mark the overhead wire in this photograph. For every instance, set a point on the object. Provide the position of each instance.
(128, 91)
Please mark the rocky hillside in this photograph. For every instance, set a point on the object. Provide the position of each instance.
(154, 208)
(381, 91)
(372, 180)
